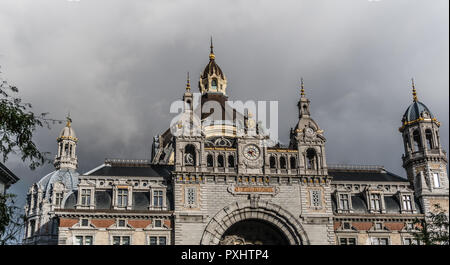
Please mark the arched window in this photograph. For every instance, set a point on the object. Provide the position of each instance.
(311, 159)
(273, 163)
(189, 155)
(209, 160)
(230, 161)
(417, 142)
(70, 150)
(282, 162)
(293, 162)
(429, 137)
(66, 149)
(214, 84)
(220, 161)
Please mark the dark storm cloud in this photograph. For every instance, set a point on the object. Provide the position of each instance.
(118, 65)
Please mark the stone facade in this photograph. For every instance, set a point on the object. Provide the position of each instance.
(215, 178)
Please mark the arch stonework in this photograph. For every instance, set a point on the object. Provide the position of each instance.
(238, 211)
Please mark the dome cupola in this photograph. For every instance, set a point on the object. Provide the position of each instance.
(212, 79)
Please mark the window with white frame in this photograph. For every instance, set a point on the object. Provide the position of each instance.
(436, 181)
(407, 205)
(85, 197)
(121, 240)
(315, 198)
(83, 240)
(58, 199)
(344, 202)
(158, 198)
(122, 197)
(347, 241)
(158, 240)
(378, 226)
(375, 201)
(380, 241)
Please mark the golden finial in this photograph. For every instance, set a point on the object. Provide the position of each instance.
(211, 54)
(69, 120)
(303, 87)
(188, 83)
(414, 90)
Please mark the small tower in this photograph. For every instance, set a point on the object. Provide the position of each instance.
(424, 160)
(212, 79)
(67, 144)
(308, 138)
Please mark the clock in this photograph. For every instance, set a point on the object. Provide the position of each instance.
(251, 152)
(309, 131)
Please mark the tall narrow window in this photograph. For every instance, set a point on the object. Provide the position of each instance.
(209, 160)
(122, 197)
(375, 202)
(158, 198)
(273, 162)
(429, 138)
(407, 206)
(311, 158)
(66, 149)
(58, 199)
(417, 141)
(436, 181)
(85, 197)
(220, 161)
(343, 201)
(230, 161)
(293, 162)
(282, 162)
(214, 84)
(32, 227)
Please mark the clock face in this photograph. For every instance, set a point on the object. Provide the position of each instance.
(251, 152)
(309, 131)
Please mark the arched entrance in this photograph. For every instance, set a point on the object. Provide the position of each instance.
(242, 222)
(253, 232)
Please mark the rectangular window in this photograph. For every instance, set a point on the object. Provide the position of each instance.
(315, 198)
(436, 181)
(84, 222)
(121, 223)
(375, 202)
(58, 199)
(122, 197)
(85, 197)
(160, 240)
(191, 196)
(378, 226)
(347, 241)
(343, 201)
(83, 240)
(407, 206)
(121, 240)
(410, 241)
(158, 198)
(158, 223)
(153, 240)
(380, 241)
(347, 225)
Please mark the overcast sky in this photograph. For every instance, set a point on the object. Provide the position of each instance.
(118, 65)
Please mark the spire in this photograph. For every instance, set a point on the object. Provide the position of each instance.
(188, 83)
(211, 54)
(414, 90)
(302, 91)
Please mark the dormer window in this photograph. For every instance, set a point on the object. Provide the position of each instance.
(375, 202)
(406, 202)
(214, 84)
(58, 199)
(122, 197)
(343, 202)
